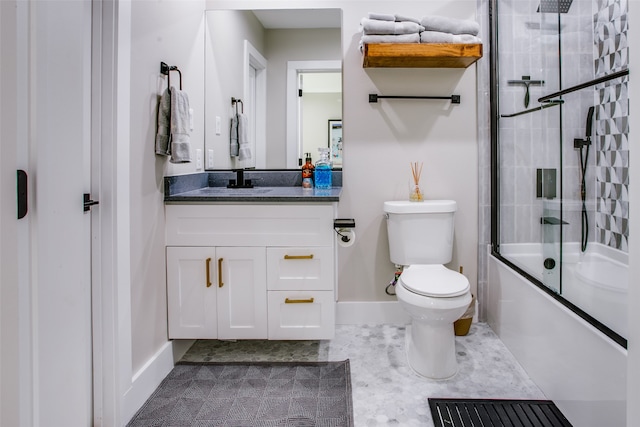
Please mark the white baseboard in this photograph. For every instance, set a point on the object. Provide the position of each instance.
(370, 313)
(148, 378)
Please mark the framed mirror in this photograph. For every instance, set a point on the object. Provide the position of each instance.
(283, 68)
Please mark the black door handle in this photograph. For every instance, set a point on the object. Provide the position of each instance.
(22, 193)
(88, 202)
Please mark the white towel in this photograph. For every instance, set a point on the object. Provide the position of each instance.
(163, 130)
(400, 18)
(374, 26)
(381, 16)
(234, 147)
(244, 148)
(450, 25)
(180, 142)
(401, 38)
(438, 37)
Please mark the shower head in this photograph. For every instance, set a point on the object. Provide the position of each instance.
(554, 6)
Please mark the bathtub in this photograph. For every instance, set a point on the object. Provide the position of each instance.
(596, 281)
(576, 365)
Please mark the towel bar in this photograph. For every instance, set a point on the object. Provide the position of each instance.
(166, 69)
(455, 99)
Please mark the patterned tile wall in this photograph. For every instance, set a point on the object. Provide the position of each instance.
(611, 54)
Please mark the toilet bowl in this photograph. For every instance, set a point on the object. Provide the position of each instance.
(434, 297)
(421, 240)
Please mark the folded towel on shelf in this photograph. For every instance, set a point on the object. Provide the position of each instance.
(244, 148)
(180, 141)
(163, 130)
(381, 16)
(450, 25)
(439, 37)
(400, 18)
(401, 38)
(374, 26)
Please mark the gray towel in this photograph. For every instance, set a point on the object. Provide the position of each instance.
(234, 147)
(163, 131)
(374, 26)
(180, 145)
(244, 148)
(381, 16)
(401, 38)
(450, 25)
(400, 18)
(438, 37)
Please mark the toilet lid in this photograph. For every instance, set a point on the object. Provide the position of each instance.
(434, 281)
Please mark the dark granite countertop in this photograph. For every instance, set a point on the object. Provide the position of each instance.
(269, 186)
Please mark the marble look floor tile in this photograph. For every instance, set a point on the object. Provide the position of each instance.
(386, 391)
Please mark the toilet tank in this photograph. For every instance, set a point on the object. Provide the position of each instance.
(420, 232)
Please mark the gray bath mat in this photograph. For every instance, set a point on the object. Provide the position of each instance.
(251, 394)
(496, 412)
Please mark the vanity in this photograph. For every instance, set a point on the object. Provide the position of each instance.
(250, 263)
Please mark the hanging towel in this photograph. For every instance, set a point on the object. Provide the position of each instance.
(180, 142)
(374, 26)
(234, 147)
(450, 25)
(439, 37)
(244, 148)
(163, 131)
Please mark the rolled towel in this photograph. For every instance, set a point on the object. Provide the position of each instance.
(439, 37)
(180, 141)
(450, 25)
(374, 26)
(400, 18)
(381, 16)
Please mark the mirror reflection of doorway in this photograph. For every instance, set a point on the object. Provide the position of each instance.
(321, 101)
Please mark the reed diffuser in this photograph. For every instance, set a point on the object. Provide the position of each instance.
(415, 193)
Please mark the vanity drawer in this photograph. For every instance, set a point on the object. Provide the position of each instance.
(295, 315)
(300, 268)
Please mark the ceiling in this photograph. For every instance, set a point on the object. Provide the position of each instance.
(299, 18)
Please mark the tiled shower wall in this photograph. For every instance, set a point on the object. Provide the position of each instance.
(611, 53)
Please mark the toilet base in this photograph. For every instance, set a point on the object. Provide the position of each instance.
(431, 350)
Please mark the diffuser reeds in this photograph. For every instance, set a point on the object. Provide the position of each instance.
(415, 194)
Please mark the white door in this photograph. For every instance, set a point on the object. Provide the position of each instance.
(242, 298)
(52, 359)
(192, 285)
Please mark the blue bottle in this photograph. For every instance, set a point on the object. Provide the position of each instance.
(322, 171)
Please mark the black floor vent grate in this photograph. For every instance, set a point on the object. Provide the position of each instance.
(496, 413)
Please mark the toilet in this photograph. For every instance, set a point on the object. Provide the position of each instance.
(421, 240)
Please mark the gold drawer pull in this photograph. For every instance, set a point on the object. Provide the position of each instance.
(208, 264)
(298, 256)
(298, 301)
(220, 284)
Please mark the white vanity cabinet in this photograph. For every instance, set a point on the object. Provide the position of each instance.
(251, 271)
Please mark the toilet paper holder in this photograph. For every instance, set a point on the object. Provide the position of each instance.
(341, 225)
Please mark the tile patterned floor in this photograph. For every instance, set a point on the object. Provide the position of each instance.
(385, 389)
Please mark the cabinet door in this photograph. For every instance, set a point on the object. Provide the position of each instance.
(242, 292)
(191, 295)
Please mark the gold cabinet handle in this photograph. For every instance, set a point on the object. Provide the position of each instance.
(298, 256)
(298, 301)
(220, 284)
(208, 273)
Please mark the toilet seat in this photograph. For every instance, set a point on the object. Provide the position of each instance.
(435, 281)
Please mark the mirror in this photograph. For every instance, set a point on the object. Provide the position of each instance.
(257, 63)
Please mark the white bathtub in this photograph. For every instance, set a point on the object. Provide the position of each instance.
(596, 281)
(577, 366)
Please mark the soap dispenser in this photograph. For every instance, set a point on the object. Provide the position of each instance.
(322, 174)
(307, 172)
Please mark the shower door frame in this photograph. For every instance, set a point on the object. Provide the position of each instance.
(495, 178)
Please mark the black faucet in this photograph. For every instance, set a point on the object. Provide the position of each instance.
(239, 182)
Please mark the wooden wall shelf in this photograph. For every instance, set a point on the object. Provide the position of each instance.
(420, 55)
